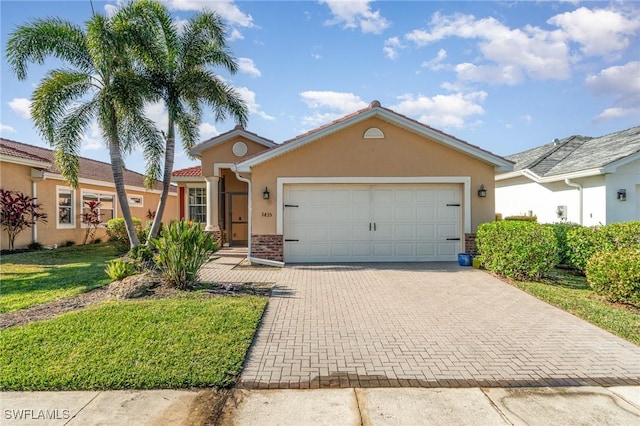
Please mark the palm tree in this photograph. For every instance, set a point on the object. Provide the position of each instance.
(177, 62)
(99, 83)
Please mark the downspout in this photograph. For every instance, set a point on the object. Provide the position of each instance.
(34, 228)
(576, 185)
(249, 257)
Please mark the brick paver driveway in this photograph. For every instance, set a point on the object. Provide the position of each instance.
(418, 324)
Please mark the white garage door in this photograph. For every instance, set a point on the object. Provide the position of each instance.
(363, 223)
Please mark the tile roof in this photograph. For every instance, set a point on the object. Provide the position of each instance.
(89, 169)
(195, 171)
(10, 151)
(578, 153)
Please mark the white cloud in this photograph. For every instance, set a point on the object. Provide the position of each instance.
(249, 97)
(158, 114)
(391, 47)
(436, 64)
(622, 84)
(340, 101)
(619, 81)
(21, 106)
(6, 129)
(443, 110)
(527, 118)
(208, 130)
(318, 119)
(512, 54)
(356, 14)
(235, 35)
(600, 32)
(227, 9)
(247, 66)
(92, 140)
(616, 112)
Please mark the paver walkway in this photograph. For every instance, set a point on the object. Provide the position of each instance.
(419, 325)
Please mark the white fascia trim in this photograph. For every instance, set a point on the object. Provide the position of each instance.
(24, 161)
(500, 163)
(108, 184)
(218, 166)
(217, 140)
(611, 167)
(555, 178)
(281, 181)
(187, 179)
(265, 262)
(508, 175)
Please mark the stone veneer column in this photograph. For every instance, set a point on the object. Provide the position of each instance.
(212, 204)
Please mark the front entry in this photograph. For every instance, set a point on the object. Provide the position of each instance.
(235, 221)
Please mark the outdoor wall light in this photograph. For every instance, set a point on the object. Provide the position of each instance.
(622, 195)
(265, 193)
(482, 192)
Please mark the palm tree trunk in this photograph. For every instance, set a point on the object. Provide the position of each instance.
(169, 154)
(118, 181)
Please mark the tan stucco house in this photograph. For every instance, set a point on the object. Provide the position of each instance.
(371, 186)
(30, 169)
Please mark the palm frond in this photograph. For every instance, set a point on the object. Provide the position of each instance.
(34, 42)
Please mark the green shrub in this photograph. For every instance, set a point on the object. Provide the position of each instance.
(560, 230)
(35, 246)
(118, 269)
(524, 218)
(583, 243)
(181, 251)
(616, 274)
(516, 249)
(117, 232)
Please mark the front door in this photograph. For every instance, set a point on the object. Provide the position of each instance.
(237, 218)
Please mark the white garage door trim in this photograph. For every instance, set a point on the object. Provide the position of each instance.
(465, 180)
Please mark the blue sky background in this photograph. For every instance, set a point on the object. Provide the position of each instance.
(506, 76)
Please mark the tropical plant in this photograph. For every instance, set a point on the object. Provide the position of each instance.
(177, 62)
(181, 251)
(98, 82)
(19, 212)
(118, 269)
(117, 232)
(91, 218)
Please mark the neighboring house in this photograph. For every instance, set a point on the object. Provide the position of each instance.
(371, 186)
(31, 170)
(578, 179)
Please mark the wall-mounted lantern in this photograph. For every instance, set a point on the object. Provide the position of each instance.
(622, 195)
(265, 193)
(482, 192)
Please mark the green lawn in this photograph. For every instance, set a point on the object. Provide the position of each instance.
(181, 342)
(572, 293)
(28, 279)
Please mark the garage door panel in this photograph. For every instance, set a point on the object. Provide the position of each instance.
(351, 223)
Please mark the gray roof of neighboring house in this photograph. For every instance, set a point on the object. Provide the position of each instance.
(89, 169)
(578, 153)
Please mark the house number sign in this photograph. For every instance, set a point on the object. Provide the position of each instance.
(267, 214)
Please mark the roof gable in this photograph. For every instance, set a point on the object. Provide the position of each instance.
(579, 154)
(376, 110)
(236, 132)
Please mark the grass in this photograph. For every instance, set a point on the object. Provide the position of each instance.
(29, 279)
(572, 293)
(181, 342)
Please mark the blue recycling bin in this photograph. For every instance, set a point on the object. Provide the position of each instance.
(464, 259)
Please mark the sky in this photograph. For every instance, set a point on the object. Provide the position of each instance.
(504, 75)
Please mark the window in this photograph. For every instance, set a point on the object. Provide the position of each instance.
(197, 205)
(136, 200)
(107, 207)
(66, 207)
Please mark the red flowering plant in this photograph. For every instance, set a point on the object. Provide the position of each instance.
(91, 217)
(18, 212)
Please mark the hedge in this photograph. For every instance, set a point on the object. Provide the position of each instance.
(583, 242)
(616, 274)
(517, 249)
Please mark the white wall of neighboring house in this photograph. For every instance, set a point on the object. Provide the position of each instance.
(520, 195)
(626, 177)
(594, 200)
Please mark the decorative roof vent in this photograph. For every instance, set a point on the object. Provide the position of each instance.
(374, 104)
(373, 133)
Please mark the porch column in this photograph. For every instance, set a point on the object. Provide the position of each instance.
(212, 203)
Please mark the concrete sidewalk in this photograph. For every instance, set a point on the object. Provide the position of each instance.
(351, 406)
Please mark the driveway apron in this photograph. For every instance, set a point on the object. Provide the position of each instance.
(418, 325)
